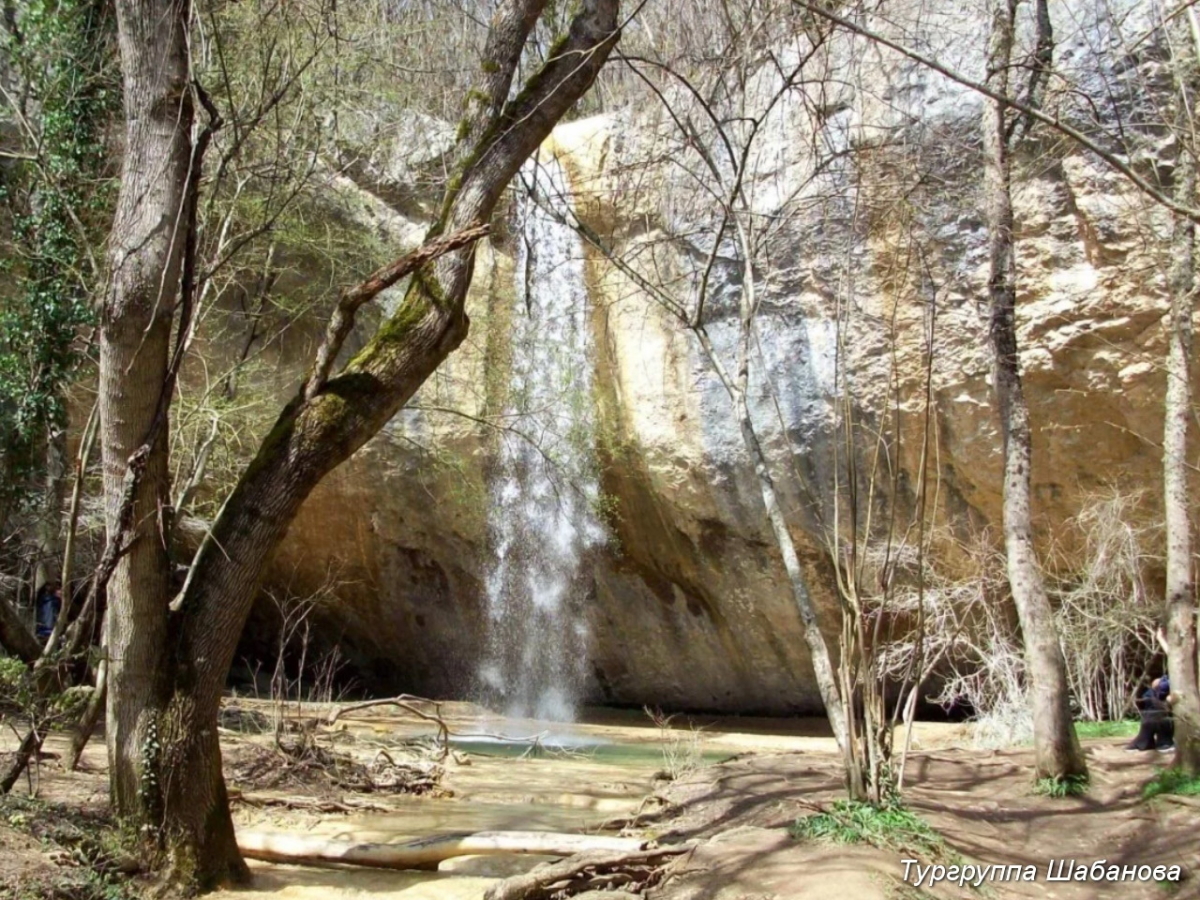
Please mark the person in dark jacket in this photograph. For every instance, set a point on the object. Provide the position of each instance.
(48, 605)
(1158, 728)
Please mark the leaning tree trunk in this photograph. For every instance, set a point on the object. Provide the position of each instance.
(818, 649)
(1180, 587)
(1056, 747)
(135, 327)
(738, 386)
(329, 420)
(823, 669)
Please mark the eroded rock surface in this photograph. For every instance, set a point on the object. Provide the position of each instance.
(869, 188)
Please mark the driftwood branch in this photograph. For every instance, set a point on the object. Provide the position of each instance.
(586, 870)
(352, 299)
(307, 804)
(444, 734)
(426, 853)
(405, 702)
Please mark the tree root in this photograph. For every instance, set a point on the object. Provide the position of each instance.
(307, 804)
(633, 872)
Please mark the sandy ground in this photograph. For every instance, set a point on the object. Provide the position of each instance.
(980, 801)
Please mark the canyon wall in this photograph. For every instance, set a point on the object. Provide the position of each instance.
(866, 187)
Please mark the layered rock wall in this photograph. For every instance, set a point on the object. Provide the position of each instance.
(864, 191)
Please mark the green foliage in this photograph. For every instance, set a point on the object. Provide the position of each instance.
(1061, 786)
(96, 856)
(888, 827)
(20, 696)
(57, 209)
(1172, 781)
(151, 751)
(1120, 728)
(16, 687)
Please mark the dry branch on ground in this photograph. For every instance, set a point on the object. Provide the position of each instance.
(633, 871)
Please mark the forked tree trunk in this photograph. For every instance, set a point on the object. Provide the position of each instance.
(148, 236)
(1056, 746)
(1180, 587)
(166, 707)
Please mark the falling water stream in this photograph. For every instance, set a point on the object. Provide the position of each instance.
(541, 518)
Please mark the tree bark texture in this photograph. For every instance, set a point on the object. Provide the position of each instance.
(168, 669)
(1181, 281)
(148, 236)
(1056, 747)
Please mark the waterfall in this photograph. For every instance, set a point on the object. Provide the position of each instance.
(541, 518)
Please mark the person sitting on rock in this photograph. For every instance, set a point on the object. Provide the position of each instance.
(1158, 728)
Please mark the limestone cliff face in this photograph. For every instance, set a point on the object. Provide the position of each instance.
(866, 191)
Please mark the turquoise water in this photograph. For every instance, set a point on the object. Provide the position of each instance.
(569, 748)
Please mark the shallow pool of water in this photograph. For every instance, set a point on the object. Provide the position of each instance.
(515, 775)
(579, 750)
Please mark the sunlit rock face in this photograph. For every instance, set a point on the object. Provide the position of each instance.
(867, 190)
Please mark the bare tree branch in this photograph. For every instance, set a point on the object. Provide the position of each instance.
(351, 300)
(1111, 159)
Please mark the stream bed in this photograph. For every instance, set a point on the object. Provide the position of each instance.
(511, 775)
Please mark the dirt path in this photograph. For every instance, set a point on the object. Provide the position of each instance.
(980, 802)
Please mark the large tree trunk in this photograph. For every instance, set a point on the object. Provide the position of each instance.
(1055, 745)
(320, 428)
(1180, 587)
(148, 236)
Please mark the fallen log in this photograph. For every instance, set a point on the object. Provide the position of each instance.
(425, 853)
(588, 871)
